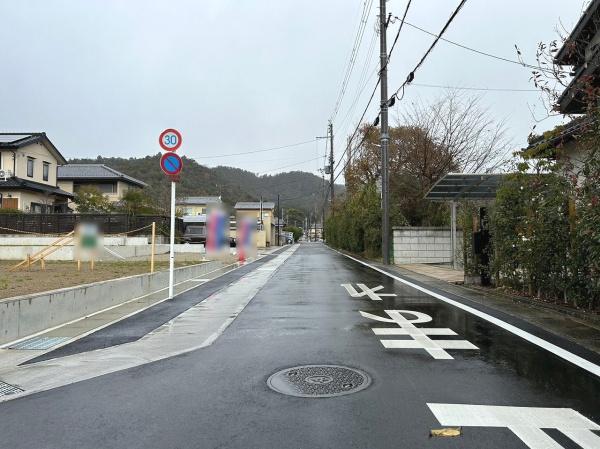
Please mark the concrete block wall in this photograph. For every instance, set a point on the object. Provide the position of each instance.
(424, 245)
(25, 315)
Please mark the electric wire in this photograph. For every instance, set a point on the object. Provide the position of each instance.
(256, 151)
(486, 89)
(480, 52)
(411, 75)
(353, 55)
(379, 80)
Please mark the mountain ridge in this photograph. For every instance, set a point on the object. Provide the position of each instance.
(297, 189)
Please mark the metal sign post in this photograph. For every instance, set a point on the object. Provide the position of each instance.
(171, 164)
(172, 242)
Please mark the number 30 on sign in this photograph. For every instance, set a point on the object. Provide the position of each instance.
(170, 139)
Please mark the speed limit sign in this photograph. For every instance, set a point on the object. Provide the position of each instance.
(170, 139)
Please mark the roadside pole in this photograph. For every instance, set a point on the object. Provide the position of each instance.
(384, 136)
(332, 193)
(278, 220)
(172, 242)
(171, 164)
(153, 247)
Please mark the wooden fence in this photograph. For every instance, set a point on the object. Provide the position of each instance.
(64, 223)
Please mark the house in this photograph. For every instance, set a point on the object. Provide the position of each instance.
(28, 174)
(197, 205)
(581, 51)
(112, 183)
(262, 212)
(562, 144)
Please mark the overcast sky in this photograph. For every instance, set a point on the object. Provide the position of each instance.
(104, 77)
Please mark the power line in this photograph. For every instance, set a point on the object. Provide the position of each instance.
(256, 151)
(408, 80)
(353, 55)
(480, 52)
(491, 89)
(378, 81)
(411, 75)
(402, 22)
(361, 85)
(292, 165)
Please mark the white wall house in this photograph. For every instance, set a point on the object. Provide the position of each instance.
(28, 174)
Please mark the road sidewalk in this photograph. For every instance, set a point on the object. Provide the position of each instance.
(583, 332)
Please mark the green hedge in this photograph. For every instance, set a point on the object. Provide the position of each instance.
(545, 230)
(355, 223)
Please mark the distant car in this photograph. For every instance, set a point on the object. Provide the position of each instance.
(194, 234)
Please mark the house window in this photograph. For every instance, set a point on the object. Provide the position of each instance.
(107, 188)
(30, 167)
(46, 170)
(110, 187)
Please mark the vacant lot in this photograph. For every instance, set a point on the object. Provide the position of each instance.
(65, 274)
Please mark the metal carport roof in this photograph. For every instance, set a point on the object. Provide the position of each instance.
(469, 186)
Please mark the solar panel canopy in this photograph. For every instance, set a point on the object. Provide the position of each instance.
(465, 186)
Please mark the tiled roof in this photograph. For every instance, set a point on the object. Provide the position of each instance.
(18, 183)
(14, 141)
(95, 172)
(252, 205)
(194, 200)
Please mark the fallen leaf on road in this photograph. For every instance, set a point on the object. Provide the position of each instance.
(445, 432)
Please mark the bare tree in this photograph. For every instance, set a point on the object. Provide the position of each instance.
(470, 139)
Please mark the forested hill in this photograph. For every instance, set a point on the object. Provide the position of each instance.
(298, 190)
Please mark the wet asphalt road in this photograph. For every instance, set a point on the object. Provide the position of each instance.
(217, 397)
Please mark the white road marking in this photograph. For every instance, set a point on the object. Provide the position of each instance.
(525, 422)
(366, 291)
(556, 350)
(196, 328)
(420, 339)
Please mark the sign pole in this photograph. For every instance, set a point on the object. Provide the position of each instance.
(172, 242)
(171, 164)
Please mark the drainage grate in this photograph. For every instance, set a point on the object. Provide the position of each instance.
(319, 381)
(39, 343)
(8, 389)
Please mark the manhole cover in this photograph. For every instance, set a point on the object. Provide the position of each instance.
(318, 381)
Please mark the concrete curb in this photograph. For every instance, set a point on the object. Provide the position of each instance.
(21, 316)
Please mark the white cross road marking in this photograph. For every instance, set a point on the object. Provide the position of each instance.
(420, 339)
(525, 422)
(366, 291)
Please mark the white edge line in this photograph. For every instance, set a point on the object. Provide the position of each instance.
(557, 350)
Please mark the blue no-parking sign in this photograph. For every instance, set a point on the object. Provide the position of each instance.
(171, 164)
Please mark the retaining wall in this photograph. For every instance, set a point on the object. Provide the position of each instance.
(425, 245)
(17, 249)
(25, 315)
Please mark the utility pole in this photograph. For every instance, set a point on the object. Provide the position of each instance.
(384, 135)
(278, 219)
(331, 163)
